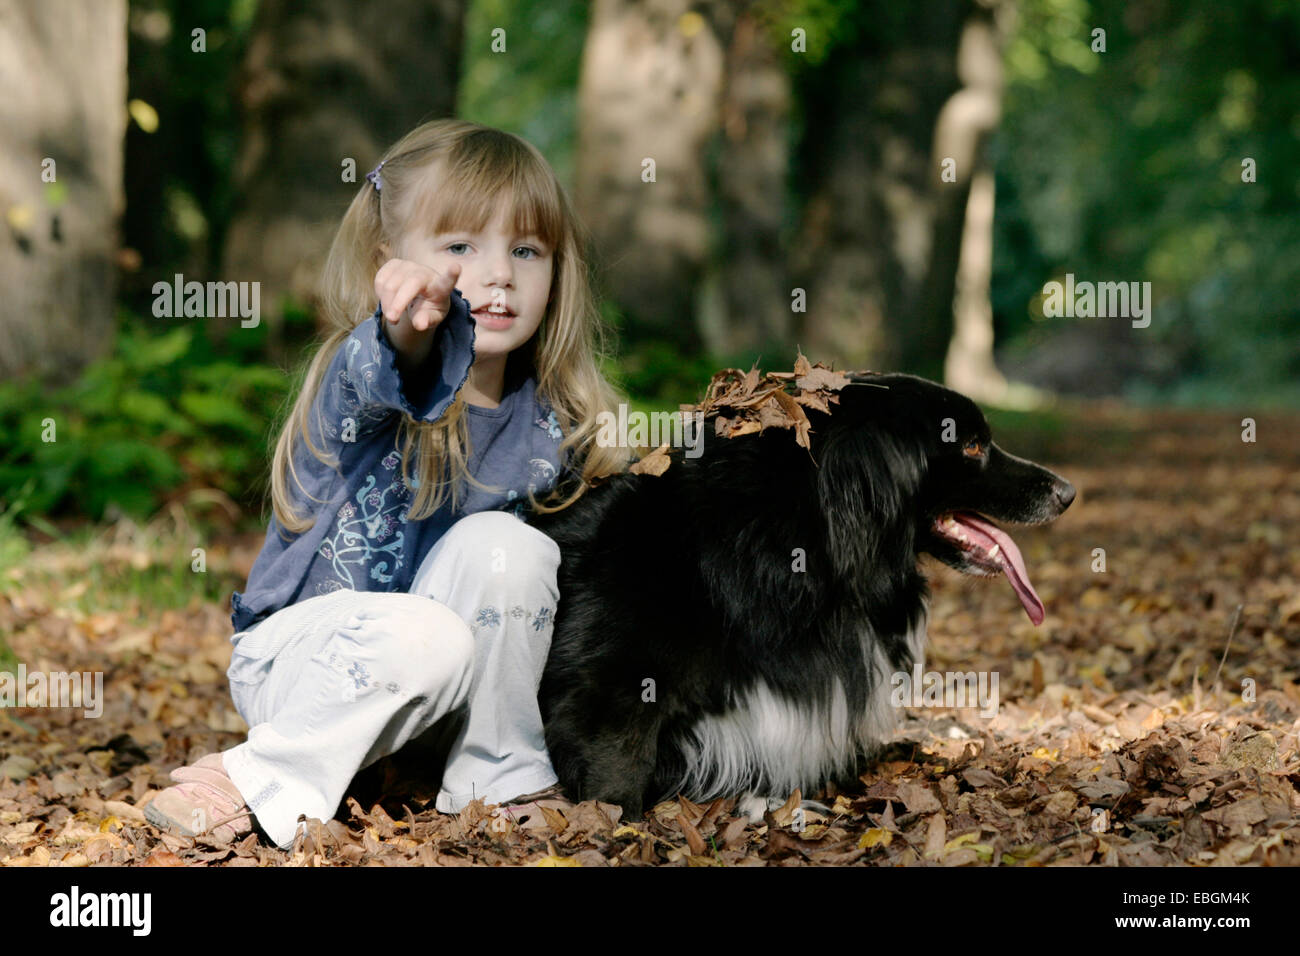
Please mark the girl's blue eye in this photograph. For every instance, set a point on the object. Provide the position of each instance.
(457, 245)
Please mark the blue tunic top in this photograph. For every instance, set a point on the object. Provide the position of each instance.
(363, 539)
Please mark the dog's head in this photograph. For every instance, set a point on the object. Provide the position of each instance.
(908, 466)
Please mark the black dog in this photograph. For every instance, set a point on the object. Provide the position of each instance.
(730, 627)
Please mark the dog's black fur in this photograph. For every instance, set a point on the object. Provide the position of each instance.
(764, 676)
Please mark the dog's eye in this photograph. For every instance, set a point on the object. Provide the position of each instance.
(973, 448)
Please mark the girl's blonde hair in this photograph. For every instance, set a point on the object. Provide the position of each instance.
(443, 176)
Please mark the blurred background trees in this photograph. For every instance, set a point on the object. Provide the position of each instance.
(884, 185)
(62, 116)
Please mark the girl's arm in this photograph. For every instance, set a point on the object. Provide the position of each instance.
(414, 298)
(368, 380)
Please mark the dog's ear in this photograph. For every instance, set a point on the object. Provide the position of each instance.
(867, 481)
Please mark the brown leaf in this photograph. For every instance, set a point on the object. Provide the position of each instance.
(712, 813)
(693, 838)
(733, 833)
(655, 463)
(821, 377)
(840, 855)
(554, 819)
(979, 777)
(812, 400)
(693, 811)
(1253, 750)
(782, 844)
(1239, 815)
(586, 817)
(162, 858)
(783, 815)
(801, 424)
(918, 798)
(935, 835)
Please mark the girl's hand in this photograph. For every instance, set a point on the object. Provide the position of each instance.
(408, 288)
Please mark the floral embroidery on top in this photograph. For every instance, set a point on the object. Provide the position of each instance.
(551, 425)
(368, 533)
(355, 397)
(329, 586)
(541, 477)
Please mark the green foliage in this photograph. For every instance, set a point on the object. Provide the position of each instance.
(14, 550)
(161, 412)
(1127, 165)
(659, 374)
(14, 547)
(531, 89)
(826, 24)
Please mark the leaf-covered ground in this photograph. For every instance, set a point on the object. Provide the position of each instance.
(1131, 730)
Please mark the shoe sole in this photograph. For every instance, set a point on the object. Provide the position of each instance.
(164, 822)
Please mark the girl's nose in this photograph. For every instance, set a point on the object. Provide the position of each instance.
(499, 271)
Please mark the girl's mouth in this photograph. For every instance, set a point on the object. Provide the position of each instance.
(494, 317)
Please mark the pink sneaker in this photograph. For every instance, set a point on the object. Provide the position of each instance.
(206, 802)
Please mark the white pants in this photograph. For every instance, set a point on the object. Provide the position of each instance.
(331, 684)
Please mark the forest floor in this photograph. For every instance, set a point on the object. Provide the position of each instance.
(1131, 730)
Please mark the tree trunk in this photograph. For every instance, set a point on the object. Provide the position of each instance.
(969, 367)
(755, 314)
(880, 232)
(651, 75)
(324, 82)
(961, 264)
(63, 72)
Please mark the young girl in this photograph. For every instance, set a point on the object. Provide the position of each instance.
(396, 587)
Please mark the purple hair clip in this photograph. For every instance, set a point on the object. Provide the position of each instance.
(373, 177)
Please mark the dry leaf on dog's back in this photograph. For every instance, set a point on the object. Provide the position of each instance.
(742, 403)
(798, 416)
(813, 377)
(736, 427)
(813, 400)
(655, 463)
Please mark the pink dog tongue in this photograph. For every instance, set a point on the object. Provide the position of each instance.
(1013, 565)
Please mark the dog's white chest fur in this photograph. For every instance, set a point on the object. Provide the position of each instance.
(788, 744)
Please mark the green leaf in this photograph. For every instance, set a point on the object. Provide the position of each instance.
(148, 409)
(211, 409)
(145, 353)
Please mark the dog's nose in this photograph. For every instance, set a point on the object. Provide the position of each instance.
(1065, 494)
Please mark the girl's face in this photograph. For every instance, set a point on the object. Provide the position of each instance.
(505, 279)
